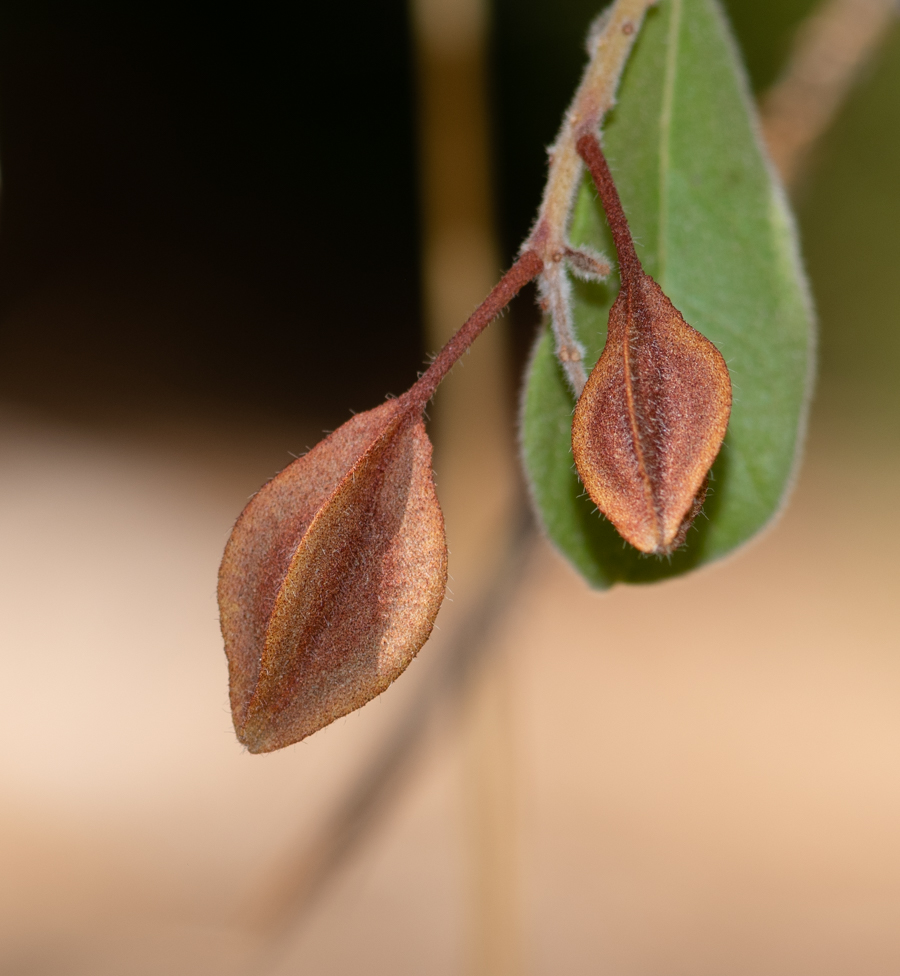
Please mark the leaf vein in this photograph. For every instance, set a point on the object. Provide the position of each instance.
(665, 133)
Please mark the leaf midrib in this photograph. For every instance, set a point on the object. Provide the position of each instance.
(665, 132)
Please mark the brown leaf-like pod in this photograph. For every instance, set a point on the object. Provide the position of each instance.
(651, 419)
(653, 413)
(332, 578)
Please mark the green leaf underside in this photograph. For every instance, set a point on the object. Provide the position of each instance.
(713, 229)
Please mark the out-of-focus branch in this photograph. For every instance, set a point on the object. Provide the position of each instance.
(831, 48)
(474, 459)
(475, 464)
(277, 911)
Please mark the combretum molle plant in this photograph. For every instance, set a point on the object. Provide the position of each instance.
(675, 386)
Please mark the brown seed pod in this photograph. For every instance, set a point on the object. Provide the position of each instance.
(651, 419)
(332, 578)
(653, 413)
(335, 571)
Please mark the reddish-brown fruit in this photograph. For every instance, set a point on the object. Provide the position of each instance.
(651, 419)
(335, 571)
(332, 578)
(653, 413)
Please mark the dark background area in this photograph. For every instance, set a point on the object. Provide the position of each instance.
(226, 195)
(219, 205)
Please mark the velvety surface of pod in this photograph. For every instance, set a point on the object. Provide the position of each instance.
(332, 578)
(651, 419)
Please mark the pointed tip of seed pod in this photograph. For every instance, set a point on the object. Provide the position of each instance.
(651, 420)
(332, 578)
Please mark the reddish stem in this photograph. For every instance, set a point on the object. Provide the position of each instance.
(588, 147)
(528, 267)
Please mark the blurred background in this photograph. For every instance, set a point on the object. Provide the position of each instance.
(221, 229)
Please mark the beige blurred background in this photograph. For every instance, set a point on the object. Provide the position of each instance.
(700, 777)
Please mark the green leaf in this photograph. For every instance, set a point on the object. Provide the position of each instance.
(712, 227)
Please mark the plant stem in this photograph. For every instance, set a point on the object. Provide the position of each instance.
(524, 270)
(589, 149)
(595, 96)
(546, 247)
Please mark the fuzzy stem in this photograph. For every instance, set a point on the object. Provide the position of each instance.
(524, 270)
(546, 246)
(610, 47)
(589, 149)
(595, 96)
(556, 293)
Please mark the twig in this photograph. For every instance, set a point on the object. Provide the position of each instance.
(523, 271)
(595, 96)
(831, 48)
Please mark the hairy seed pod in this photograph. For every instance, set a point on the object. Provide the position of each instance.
(332, 578)
(653, 413)
(651, 419)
